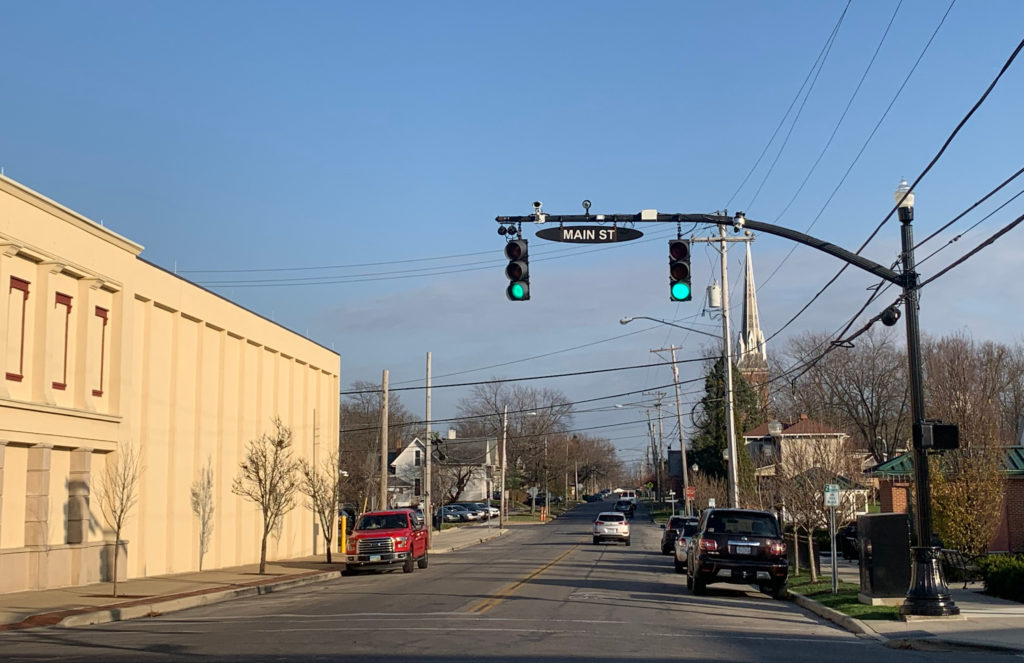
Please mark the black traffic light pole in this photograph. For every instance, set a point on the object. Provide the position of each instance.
(928, 594)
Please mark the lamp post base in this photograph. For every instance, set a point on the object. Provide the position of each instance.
(928, 596)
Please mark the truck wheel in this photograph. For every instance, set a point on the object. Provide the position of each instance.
(778, 590)
(409, 566)
(423, 561)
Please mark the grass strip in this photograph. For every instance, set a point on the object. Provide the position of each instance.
(845, 601)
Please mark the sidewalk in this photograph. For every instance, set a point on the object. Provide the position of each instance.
(142, 597)
(985, 622)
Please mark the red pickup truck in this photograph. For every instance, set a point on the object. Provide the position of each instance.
(382, 539)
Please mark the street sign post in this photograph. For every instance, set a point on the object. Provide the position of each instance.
(832, 501)
(672, 500)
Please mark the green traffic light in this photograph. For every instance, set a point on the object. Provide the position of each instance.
(680, 291)
(517, 291)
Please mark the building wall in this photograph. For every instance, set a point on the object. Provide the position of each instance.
(100, 350)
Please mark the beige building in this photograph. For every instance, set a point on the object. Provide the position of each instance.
(100, 349)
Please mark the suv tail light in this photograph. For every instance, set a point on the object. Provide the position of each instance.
(707, 544)
(777, 548)
(599, 522)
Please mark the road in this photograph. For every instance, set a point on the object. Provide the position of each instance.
(542, 593)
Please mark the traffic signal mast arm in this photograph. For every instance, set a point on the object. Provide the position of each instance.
(738, 222)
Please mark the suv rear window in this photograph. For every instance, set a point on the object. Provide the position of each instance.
(689, 529)
(611, 517)
(752, 524)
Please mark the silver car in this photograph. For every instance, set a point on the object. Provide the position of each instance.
(611, 526)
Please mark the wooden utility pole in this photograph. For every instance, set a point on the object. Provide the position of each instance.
(384, 443)
(428, 506)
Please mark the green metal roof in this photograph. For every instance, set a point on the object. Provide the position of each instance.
(903, 466)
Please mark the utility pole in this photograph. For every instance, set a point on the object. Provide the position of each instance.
(384, 442)
(504, 442)
(679, 423)
(428, 451)
(730, 420)
(661, 439)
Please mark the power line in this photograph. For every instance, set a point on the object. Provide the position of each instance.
(921, 176)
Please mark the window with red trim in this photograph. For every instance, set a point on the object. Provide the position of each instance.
(17, 309)
(102, 313)
(65, 301)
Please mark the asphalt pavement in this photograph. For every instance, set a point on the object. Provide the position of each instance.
(986, 623)
(141, 597)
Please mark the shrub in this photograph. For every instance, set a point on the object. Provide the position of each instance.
(1003, 576)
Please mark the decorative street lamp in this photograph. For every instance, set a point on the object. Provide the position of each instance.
(928, 594)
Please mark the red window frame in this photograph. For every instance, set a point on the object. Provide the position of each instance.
(102, 313)
(22, 285)
(64, 300)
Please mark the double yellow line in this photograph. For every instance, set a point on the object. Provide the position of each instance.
(511, 588)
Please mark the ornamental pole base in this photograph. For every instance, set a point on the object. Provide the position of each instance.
(928, 595)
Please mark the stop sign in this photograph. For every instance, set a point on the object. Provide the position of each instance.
(691, 493)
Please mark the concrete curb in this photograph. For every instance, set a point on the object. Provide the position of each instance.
(851, 624)
(859, 627)
(466, 544)
(173, 604)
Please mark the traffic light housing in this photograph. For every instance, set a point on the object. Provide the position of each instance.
(936, 435)
(680, 289)
(518, 270)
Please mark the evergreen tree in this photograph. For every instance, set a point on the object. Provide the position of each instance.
(709, 442)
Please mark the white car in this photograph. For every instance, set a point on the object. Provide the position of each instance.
(611, 526)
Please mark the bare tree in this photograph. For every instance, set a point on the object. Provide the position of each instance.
(202, 507)
(359, 439)
(268, 477)
(861, 390)
(801, 473)
(321, 486)
(535, 416)
(118, 493)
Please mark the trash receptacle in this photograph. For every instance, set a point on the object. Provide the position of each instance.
(884, 558)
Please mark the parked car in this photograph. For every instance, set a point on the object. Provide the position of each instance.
(480, 510)
(450, 514)
(625, 507)
(682, 542)
(611, 526)
(492, 511)
(464, 512)
(669, 532)
(382, 539)
(739, 546)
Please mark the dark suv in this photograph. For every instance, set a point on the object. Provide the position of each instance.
(739, 546)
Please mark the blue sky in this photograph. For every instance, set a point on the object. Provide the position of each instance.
(291, 136)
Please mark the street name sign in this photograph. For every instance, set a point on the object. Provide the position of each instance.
(589, 234)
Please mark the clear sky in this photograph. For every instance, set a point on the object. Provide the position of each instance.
(357, 154)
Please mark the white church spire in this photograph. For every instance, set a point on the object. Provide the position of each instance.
(752, 345)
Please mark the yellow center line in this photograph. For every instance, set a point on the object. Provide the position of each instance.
(511, 588)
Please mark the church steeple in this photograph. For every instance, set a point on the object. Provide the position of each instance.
(752, 345)
(753, 354)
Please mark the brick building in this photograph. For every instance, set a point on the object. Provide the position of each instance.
(895, 479)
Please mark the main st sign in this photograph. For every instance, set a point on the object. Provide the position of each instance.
(589, 234)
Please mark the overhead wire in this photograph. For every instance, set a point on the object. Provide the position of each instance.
(917, 180)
